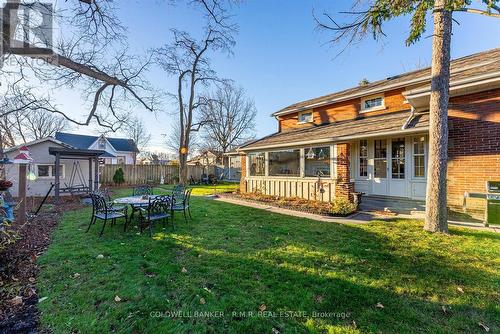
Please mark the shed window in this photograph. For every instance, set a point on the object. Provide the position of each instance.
(317, 162)
(48, 171)
(305, 117)
(419, 157)
(284, 163)
(257, 164)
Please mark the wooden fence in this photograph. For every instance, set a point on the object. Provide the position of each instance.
(144, 174)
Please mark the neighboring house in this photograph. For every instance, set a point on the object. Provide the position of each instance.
(74, 172)
(374, 138)
(119, 150)
(206, 158)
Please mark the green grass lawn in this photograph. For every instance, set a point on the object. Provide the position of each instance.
(236, 261)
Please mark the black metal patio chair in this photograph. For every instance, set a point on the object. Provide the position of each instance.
(181, 203)
(158, 209)
(104, 192)
(103, 211)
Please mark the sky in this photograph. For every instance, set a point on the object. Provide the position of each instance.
(280, 56)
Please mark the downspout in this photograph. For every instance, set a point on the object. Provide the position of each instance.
(410, 118)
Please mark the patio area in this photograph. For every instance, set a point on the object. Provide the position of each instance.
(235, 269)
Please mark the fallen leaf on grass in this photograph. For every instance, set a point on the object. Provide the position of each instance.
(460, 290)
(42, 299)
(275, 331)
(379, 305)
(202, 301)
(100, 256)
(318, 299)
(76, 275)
(262, 307)
(184, 270)
(483, 326)
(17, 300)
(117, 299)
(444, 309)
(32, 280)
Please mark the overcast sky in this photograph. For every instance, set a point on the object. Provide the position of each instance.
(280, 57)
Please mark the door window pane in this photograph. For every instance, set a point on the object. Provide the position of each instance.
(380, 158)
(419, 156)
(317, 161)
(257, 164)
(363, 158)
(283, 163)
(398, 158)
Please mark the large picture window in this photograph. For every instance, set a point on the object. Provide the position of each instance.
(257, 164)
(284, 163)
(363, 158)
(317, 161)
(419, 157)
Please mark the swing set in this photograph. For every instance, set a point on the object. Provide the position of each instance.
(77, 184)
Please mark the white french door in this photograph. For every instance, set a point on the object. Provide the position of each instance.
(380, 184)
(397, 168)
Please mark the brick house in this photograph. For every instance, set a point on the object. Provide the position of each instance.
(374, 139)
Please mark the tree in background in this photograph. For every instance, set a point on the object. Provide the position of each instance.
(135, 129)
(187, 59)
(369, 20)
(229, 117)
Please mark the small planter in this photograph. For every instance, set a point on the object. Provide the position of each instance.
(5, 185)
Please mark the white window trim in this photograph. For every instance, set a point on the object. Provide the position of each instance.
(363, 109)
(51, 166)
(305, 112)
(414, 177)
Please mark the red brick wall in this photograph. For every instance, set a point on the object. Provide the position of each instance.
(343, 187)
(474, 146)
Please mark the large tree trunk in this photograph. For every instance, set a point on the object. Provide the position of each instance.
(436, 217)
(183, 170)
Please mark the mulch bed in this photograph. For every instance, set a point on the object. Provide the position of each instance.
(18, 269)
(297, 204)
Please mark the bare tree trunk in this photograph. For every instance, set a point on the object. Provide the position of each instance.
(436, 217)
(183, 169)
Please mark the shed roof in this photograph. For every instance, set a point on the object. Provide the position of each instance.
(84, 141)
(339, 131)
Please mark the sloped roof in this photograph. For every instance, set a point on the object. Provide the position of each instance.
(472, 65)
(84, 141)
(34, 142)
(361, 127)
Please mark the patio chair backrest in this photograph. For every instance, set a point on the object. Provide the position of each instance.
(178, 191)
(98, 203)
(159, 204)
(142, 190)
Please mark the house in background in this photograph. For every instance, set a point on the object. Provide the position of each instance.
(374, 139)
(119, 151)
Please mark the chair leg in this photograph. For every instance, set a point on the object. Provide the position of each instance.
(126, 222)
(92, 221)
(150, 228)
(189, 211)
(103, 225)
(185, 218)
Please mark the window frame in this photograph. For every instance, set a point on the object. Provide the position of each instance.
(413, 155)
(263, 153)
(361, 157)
(328, 152)
(372, 97)
(268, 165)
(51, 171)
(303, 113)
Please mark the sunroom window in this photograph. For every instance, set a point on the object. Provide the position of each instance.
(317, 161)
(284, 163)
(257, 164)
